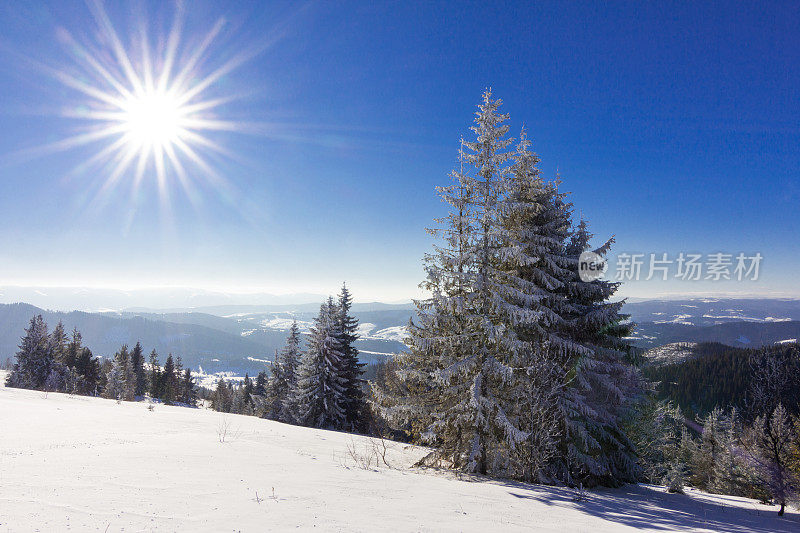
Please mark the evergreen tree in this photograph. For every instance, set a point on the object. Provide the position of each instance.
(709, 451)
(770, 446)
(73, 349)
(605, 380)
(34, 360)
(58, 344)
(532, 263)
(140, 377)
(59, 375)
(155, 376)
(261, 384)
(88, 370)
(169, 382)
(318, 398)
(353, 369)
(179, 392)
(516, 366)
(222, 398)
(460, 338)
(247, 390)
(283, 381)
(731, 474)
(106, 366)
(188, 388)
(119, 377)
(129, 375)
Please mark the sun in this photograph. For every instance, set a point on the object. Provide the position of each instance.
(153, 120)
(151, 107)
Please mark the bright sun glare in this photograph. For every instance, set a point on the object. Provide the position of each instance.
(153, 119)
(147, 106)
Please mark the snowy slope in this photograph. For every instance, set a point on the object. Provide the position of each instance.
(86, 464)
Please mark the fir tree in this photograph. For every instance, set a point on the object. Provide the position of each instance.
(140, 377)
(604, 381)
(119, 378)
(283, 381)
(34, 360)
(73, 348)
(353, 369)
(460, 338)
(222, 398)
(58, 344)
(188, 388)
(88, 370)
(155, 376)
(59, 375)
(318, 398)
(770, 446)
(129, 375)
(516, 366)
(261, 384)
(169, 382)
(179, 392)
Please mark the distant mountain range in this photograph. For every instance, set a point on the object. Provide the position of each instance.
(243, 338)
(735, 322)
(239, 343)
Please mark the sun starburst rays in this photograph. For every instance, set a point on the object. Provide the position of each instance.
(147, 109)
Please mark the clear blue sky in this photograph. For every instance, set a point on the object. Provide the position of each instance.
(676, 127)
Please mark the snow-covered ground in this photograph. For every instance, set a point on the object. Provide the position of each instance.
(88, 464)
(670, 353)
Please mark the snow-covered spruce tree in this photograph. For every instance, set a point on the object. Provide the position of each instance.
(532, 265)
(353, 369)
(565, 379)
(188, 388)
(769, 444)
(319, 397)
(130, 374)
(732, 474)
(283, 380)
(137, 363)
(179, 393)
(461, 338)
(73, 348)
(34, 360)
(409, 400)
(121, 379)
(169, 381)
(261, 383)
(709, 450)
(603, 382)
(222, 397)
(87, 368)
(59, 375)
(154, 374)
(118, 387)
(655, 429)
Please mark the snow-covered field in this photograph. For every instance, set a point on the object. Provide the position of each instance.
(87, 464)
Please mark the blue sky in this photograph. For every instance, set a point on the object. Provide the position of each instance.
(675, 127)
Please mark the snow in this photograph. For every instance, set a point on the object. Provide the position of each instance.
(669, 354)
(209, 381)
(394, 333)
(787, 341)
(80, 464)
(284, 323)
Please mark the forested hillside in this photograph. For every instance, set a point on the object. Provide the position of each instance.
(715, 375)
